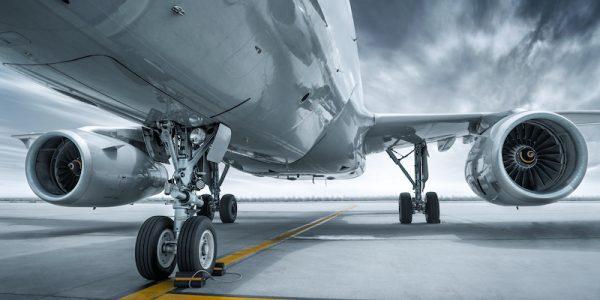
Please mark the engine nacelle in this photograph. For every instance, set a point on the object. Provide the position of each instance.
(529, 158)
(82, 168)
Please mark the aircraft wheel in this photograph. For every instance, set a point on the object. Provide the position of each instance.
(405, 208)
(432, 208)
(228, 208)
(206, 209)
(197, 245)
(154, 248)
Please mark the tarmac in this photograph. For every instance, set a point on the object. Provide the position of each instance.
(353, 251)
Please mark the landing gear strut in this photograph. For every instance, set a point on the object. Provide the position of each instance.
(189, 239)
(407, 205)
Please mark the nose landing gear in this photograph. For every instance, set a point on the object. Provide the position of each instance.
(189, 240)
(408, 205)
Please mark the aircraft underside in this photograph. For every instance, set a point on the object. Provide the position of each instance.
(265, 69)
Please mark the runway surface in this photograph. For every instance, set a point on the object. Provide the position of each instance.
(479, 251)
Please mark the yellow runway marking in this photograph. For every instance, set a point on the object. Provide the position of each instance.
(160, 290)
(153, 291)
(205, 297)
(244, 253)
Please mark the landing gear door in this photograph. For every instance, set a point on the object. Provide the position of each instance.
(219, 145)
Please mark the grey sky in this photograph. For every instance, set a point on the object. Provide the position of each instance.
(431, 56)
(416, 57)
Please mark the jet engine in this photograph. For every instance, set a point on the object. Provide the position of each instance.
(88, 169)
(528, 158)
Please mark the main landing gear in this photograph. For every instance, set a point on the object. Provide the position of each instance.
(225, 205)
(189, 240)
(407, 205)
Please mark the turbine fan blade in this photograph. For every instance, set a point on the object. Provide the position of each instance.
(65, 153)
(547, 165)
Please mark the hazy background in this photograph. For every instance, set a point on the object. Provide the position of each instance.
(416, 57)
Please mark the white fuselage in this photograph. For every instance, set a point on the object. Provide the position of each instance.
(283, 75)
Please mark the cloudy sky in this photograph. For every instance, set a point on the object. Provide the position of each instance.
(416, 57)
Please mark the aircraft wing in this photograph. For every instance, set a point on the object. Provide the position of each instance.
(398, 130)
(27, 138)
(582, 118)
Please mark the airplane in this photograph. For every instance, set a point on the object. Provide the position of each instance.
(271, 88)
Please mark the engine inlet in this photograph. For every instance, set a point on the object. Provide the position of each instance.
(58, 165)
(533, 156)
(66, 166)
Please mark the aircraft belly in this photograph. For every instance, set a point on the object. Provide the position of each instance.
(339, 153)
(264, 68)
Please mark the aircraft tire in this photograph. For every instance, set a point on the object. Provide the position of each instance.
(432, 208)
(154, 262)
(228, 208)
(206, 209)
(197, 245)
(405, 208)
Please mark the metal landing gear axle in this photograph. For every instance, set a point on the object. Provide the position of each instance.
(407, 205)
(189, 240)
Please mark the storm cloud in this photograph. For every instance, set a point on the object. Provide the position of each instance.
(432, 56)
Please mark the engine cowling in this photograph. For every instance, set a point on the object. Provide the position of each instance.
(87, 169)
(528, 158)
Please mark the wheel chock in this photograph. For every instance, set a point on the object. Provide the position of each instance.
(197, 279)
(219, 269)
(190, 280)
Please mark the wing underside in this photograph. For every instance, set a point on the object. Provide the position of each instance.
(399, 130)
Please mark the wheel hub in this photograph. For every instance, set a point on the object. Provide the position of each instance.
(207, 249)
(164, 255)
